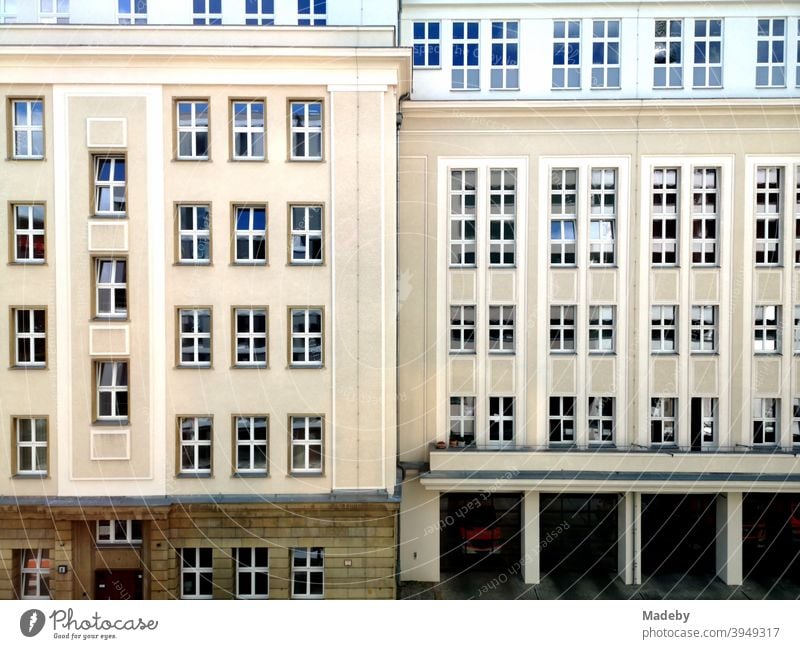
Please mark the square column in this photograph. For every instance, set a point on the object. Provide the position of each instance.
(530, 537)
(728, 544)
(420, 527)
(629, 538)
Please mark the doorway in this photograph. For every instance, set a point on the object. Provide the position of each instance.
(119, 584)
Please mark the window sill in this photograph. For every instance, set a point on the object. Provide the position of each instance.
(463, 267)
(30, 476)
(26, 159)
(245, 475)
(655, 353)
(454, 352)
(600, 352)
(109, 423)
(192, 476)
(563, 352)
(760, 353)
(306, 474)
(697, 352)
(27, 263)
(121, 216)
(110, 318)
(192, 264)
(197, 159)
(28, 367)
(264, 159)
(596, 266)
(305, 367)
(263, 366)
(305, 264)
(561, 445)
(194, 367)
(501, 352)
(768, 266)
(305, 160)
(249, 264)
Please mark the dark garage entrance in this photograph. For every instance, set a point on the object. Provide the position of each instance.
(771, 538)
(678, 534)
(480, 531)
(578, 534)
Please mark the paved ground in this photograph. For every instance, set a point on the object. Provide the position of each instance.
(502, 585)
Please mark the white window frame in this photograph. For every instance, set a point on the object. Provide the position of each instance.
(797, 205)
(313, 17)
(499, 417)
(569, 73)
(666, 44)
(192, 444)
(29, 336)
(112, 186)
(306, 131)
(307, 443)
(207, 16)
(195, 235)
(112, 287)
(304, 234)
(135, 15)
(664, 248)
(601, 426)
(38, 572)
(261, 16)
(203, 567)
(602, 72)
(465, 77)
(797, 71)
(659, 416)
(33, 132)
(502, 324)
(251, 337)
(308, 568)
(462, 419)
(776, 49)
(502, 217)
(307, 337)
(8, 12)
(660, 327)
(250, 235)
(561, 420)
(603, 201)
(709, 421)
(193, 129)
(116, 387)
(602, 329)
(705, 215)
(463, 206)
(564, 249)
(196, 336)
(562, 322)
(26, 214)
(53, 12)
(769, 215)
(36, 465)
(246, 561)
(508, 72)
(704, 330)
(767, 327)
(462, 329)
(428, 43)
(795, 422)
(796, 330)
(252, 132)
(706, 40)
(247, 424)
(108, 528)
(766, 415)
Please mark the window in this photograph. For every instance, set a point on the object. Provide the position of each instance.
(769, 207)
(505, 55)
(306, 234)
(250, 334)
(132, 12)
(501, 329)
(194, 234)
(427, 44)
(795, 422)
(605, 54)
(306, 444)
(126, 532)
(192, 118)
(462, 329)
(248, 130)
(29, 241)
(765, 421)
(704, 422)
(797, 213)
(251, 445)
(306, 337)
(771, 54)
(111, 288)
(259, 12)
(463, 197)
(35, 574)
(252, 572)
(663, 329)
(797, 73)
(665, 217)
(707, 71)
(562, 328)
(566, 54)
(112, 391)
(668, 61)
(54, 11)
(796, 340)
(28, 128)
(561, 420)
(705, 209)
(502, 211)
(196, 573)
(563, 216)
(8, 11)
(603, 219)
(462, 420)
(308, 573)
(311, 12)
(501, 420)
(602, 329)
(31, 443)
(767, 329)
(250, 236)
(195, 337)
(466, 62)
(306, 130)
(207, 12)
(663, 420)
(195, 444)
(601, 420)
(704, 328)
(30, 337)
(109, 186)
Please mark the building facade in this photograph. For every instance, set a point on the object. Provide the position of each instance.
(598, 330)
(199, 393)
